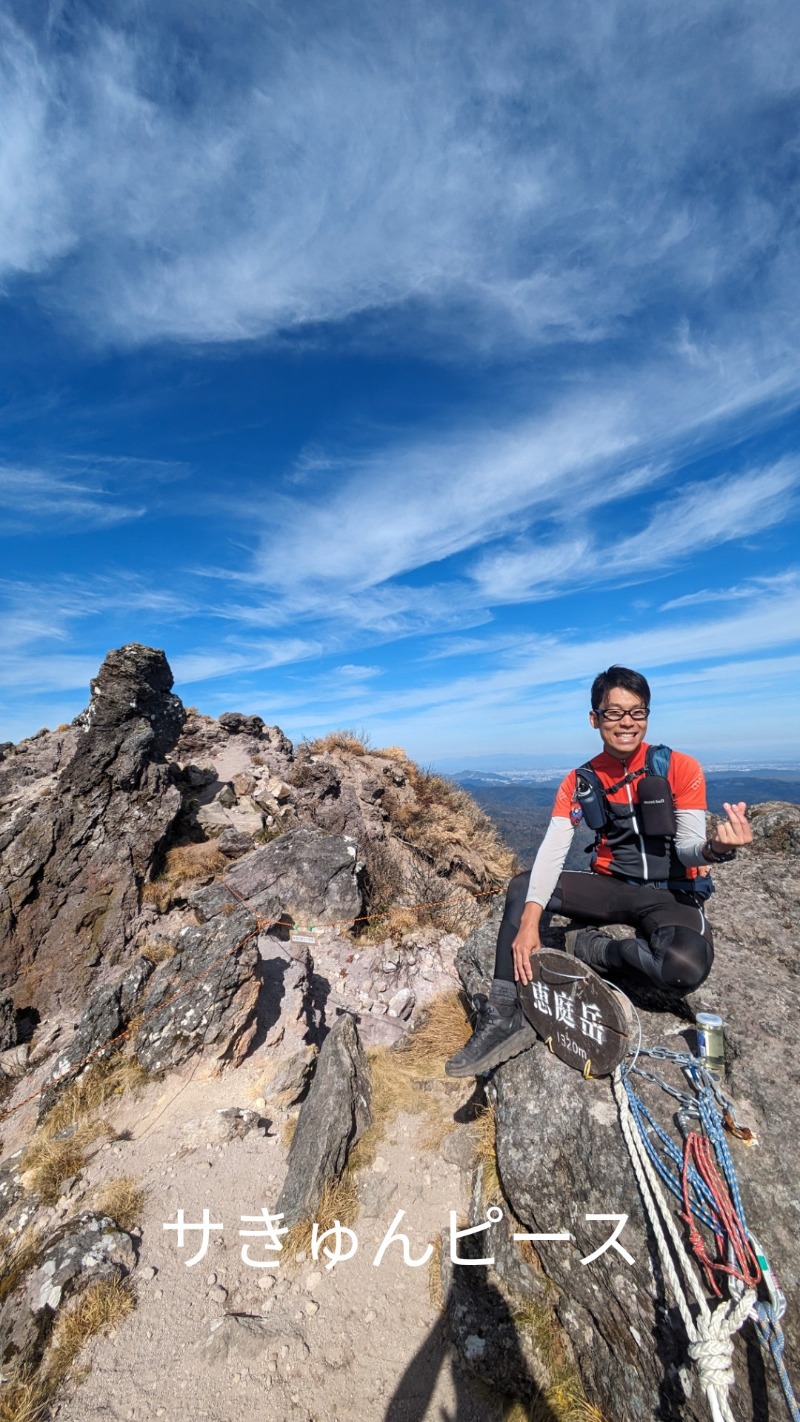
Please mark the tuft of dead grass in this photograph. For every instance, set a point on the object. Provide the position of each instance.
(122, 1200)
(486, 1158)
(339, 1202)
(287, 1131)
(158, 893)
(442, 1030)
(443, 818)
(353, 742)
(184, 864)
(24, 1399)
(158, 950)
(435, 1293)
(96, 1086)
(17, 1257)
(395, 753)
(188, 862)
(101, 1308)
(49, 1161)
(565, 1402)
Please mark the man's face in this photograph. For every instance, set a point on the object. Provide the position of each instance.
(620, 737)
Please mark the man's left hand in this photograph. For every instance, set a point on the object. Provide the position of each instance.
(734, 831)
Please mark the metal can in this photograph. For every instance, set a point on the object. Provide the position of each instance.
(711, 1040)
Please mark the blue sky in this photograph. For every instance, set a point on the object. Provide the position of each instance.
(400, 368)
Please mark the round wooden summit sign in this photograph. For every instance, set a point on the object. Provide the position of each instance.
(583, 1020)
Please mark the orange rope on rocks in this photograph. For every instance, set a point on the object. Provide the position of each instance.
(261, 924)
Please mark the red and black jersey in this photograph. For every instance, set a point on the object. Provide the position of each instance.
(622, 847)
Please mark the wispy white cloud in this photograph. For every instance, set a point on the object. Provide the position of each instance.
(738, 593)
(191, 667)
(487, 161)
(31, 499)
(696, 518)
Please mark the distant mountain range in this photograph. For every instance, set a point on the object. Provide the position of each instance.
(520, 802)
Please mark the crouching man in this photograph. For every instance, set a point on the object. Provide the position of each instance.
(646, 805)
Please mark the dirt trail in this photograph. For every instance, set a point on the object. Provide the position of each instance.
(305, 1341)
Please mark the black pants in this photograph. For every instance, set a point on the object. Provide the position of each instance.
(673, 943)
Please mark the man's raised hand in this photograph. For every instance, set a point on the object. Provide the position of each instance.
(734, 831)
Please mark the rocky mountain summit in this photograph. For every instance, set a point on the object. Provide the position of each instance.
(181, 895)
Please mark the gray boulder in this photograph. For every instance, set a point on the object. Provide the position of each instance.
(333, 1116)
(307, 875)
(106, 1015)
(204, 998)
(776, 826)
(86, 1249)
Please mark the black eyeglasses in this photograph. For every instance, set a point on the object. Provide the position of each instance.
(615, 714)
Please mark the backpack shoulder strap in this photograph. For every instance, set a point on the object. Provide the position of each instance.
(657, 760)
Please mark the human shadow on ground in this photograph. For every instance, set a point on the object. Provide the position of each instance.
(499, 1362)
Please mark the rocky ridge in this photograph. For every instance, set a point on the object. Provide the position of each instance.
(197, 885)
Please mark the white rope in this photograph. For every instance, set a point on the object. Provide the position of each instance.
(711, 1337)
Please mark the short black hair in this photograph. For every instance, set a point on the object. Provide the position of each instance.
(619, 676)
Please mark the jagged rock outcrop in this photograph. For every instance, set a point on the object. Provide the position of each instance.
(204, 998)
(86, 813)
(561, 1156)
(333, 1116)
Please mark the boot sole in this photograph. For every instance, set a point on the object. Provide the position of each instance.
(503, 1052)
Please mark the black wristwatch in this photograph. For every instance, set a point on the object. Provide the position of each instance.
(711, 857)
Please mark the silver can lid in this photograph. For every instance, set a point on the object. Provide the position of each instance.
(709, 1019)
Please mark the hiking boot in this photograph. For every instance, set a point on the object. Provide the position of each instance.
(496, 1037)
(588, 945)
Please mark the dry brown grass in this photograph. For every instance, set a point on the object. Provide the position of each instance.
(24, 1400)
(101, 1308)
(338, 1202)
(486, 1158)
(435, 1293)
(188, 862)
(184, 864)
(564, 1400)
(444, 818)
(287, 1131)
(96, 1086)
(122, 1200)
(158, 951)
(158, 893)
(443, 1029)
(17, 1257)
(395, 753)
(49, 1161)
(353, 742)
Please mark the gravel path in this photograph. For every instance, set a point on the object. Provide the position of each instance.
(221, 1340)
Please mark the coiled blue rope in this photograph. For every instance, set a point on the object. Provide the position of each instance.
(710, 1103)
